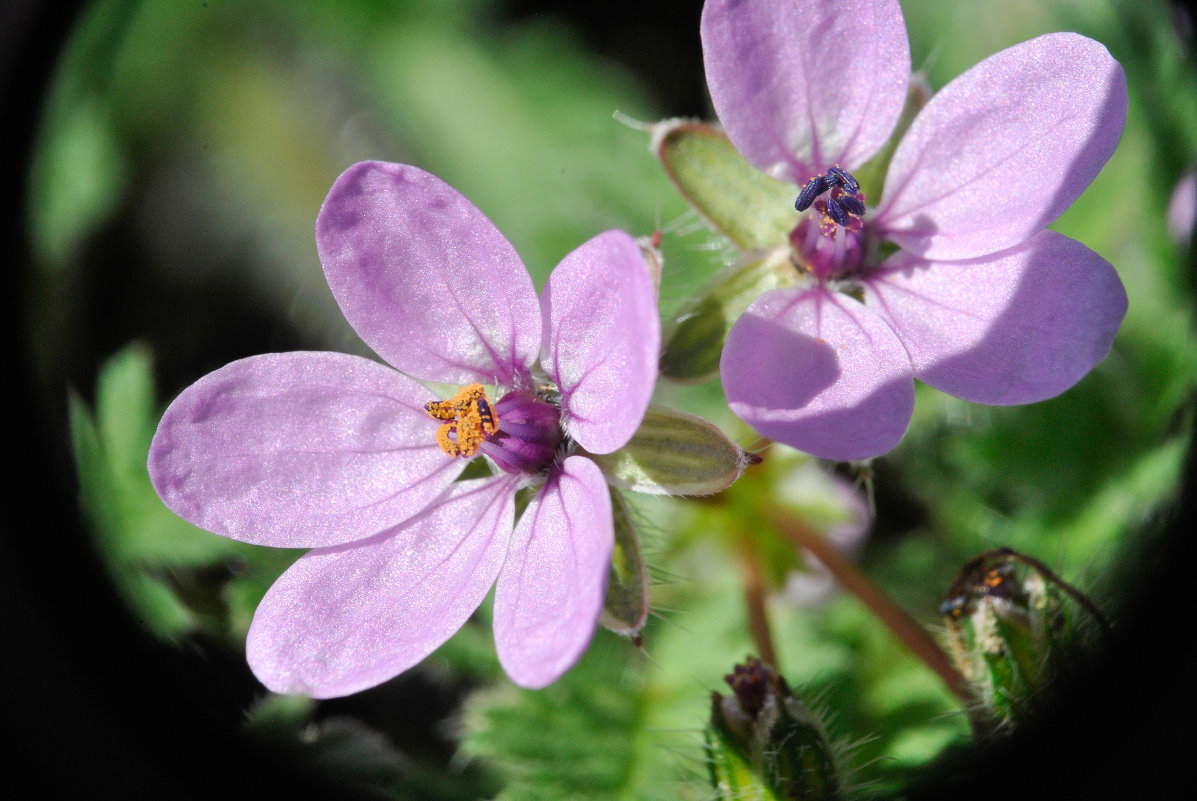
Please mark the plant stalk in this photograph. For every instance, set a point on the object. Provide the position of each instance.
(903, 626)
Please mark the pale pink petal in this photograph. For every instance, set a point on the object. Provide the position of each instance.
(800, 85)
(816, 370)
(344, 619)
(602, 338)
(551, 590)
(299, 450)
(425, 278)
(1182, 208)
(1002, 150)
(1018, 327)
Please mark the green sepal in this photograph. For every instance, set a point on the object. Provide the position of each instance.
(693, 341)
(675, 453)
(625, 608)
(732, 777)
(739, 201)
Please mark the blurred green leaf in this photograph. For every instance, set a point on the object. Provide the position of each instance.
(170, 572)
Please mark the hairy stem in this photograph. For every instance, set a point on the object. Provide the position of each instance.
(904, 627)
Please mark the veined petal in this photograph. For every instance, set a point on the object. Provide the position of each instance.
(818, 371)
(1004, 149)
(344, 619)
(1018, 327)
(802, 84)
(299, 450)
(551, 590)
(602, 336)
(425, 278)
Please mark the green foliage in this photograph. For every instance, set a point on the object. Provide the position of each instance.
(177, 579)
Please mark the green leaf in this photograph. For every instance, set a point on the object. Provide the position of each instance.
(171, 573)
(751, 209)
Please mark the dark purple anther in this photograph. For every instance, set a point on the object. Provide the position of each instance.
(836, 211)
(852, 204)
(842, 178)
(814, 187)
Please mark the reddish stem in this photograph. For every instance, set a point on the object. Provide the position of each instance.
(904, 627)
(754, 597)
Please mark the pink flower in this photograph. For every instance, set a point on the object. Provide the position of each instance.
(979, 300)
(360, 461)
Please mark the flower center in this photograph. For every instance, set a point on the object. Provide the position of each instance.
(843, 206)
(520, 432)
(836, 202)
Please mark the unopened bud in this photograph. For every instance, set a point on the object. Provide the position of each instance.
(1013, 629)
(764, 743)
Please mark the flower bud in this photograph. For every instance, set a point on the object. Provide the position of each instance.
(763, 742)
(1012, 629)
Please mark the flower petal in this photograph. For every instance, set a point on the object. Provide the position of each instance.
(551, 590)
(1018, 327)
(818, 371)
(1004, 149)
(344, 619)
(299, 450)
(802, 84)
(425, 278)
(602, 336)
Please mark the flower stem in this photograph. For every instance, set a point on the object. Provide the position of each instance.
(754, 597)
(903, 626)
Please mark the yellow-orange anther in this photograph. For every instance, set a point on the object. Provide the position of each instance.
(469, 418)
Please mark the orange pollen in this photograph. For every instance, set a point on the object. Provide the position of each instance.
(469, 421)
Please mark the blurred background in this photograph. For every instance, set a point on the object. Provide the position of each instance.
(168, 162)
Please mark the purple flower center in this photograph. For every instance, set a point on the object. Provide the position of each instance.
(836, 202)
(529, 435)
(521, 432)
(824, 255)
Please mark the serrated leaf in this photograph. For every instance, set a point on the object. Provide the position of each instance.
(751, 209)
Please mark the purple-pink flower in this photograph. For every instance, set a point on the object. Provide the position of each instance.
(361, 462)
(979, 300)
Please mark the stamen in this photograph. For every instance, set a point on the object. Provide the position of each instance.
(843, 179)
(837, 212)
(852, 203)
(841, 208)
(814, 187)
(470, 421)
